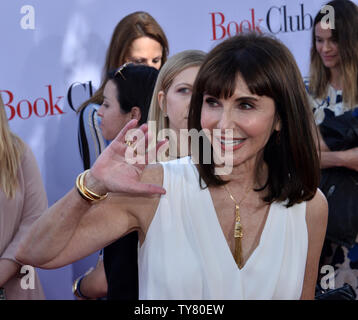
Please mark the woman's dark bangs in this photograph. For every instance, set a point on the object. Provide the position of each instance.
(255, 71)
(219, 80)
(257, 80)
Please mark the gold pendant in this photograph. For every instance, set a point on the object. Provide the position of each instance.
(238, 227)
(238, 230)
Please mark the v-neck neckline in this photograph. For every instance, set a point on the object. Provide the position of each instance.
(220, 231)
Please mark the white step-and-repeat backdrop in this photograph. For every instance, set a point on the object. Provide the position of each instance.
(52, 50)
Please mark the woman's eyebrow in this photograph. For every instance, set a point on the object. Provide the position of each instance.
(247, 98)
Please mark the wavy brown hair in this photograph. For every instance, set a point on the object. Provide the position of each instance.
(133, 26)
(269, 69)
(345, 34)
(11, 150)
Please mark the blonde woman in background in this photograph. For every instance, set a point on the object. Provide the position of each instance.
(23, 199)
(171, 98)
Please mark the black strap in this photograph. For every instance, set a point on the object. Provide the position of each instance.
(82, 142)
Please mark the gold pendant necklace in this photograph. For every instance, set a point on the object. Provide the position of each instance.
(238, 232)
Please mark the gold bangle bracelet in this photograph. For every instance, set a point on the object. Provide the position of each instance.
(90, 192)
(84, 192)
(81, 192)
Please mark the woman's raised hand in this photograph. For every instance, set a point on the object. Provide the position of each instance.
(119, 167)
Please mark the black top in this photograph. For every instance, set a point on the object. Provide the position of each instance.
(120, 261)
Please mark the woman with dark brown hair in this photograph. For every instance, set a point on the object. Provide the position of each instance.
(254, 231)
(127, 95)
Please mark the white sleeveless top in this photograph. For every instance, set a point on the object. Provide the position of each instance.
(185, 254)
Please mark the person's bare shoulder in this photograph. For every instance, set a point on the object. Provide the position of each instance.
(317, 210)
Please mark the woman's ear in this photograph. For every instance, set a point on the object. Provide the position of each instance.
(136, 113)
(161, 101)
(278, 124)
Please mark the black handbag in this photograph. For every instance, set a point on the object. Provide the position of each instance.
(344, 293)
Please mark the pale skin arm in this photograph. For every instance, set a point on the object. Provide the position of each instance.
(47, 239)
(79, 232)
(316, 218)
(69, 221)
(73, 228)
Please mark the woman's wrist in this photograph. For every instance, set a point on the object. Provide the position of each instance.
(90, 195)
(349, 158)
(93, 184)
(331, 159)
(346, 158)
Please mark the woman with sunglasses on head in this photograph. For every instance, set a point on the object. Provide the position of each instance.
(137, 38)
(250, 230)
(126, 96)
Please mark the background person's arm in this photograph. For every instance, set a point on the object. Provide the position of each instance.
(347, 158)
